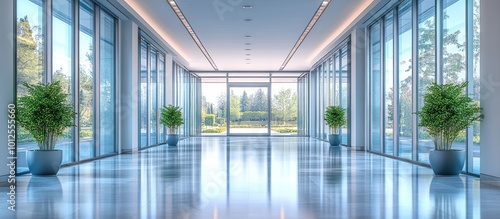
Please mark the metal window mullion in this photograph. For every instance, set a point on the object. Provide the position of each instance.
(414, 79)
(339, 79)
(76, 79)
(269, 108)
(158, 99)
(97, 81)
(48, 40)
(395, 63)
(227, 104)
(349, 95)
(148, 96)
(369, 88)
(382, 85)
(116, 86)
(334, 87)
(470, 78)
(439, 41)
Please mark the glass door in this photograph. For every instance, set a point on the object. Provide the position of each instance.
(248, 109)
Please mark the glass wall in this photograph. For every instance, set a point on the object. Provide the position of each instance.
(107, 83)
(62, 64)
(303, 106)
(440, 45)
(405, 80)
(375, 82)
(187, 90)
(30, 62)
(152, 94)
(249, 108)
(87, 80)
(213, 106)
(329, 85)
(87, 76)
(426, 67)
(284, 105)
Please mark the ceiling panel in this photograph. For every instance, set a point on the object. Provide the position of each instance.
(274, 28)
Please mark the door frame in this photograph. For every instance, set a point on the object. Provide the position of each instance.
(228, 108)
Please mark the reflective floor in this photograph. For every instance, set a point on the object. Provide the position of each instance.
(251, 177)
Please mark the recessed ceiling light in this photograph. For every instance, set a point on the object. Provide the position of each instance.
(248, 49)
(248, 44)
(247, 19)
(248, 59)
(247, 36)
(247, 54)
(247, 6)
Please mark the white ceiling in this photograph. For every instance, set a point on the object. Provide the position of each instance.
(275, 27)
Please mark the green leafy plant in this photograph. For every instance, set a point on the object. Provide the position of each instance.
(447, 112)
(335, 118)
(171, 116)
(45, 113)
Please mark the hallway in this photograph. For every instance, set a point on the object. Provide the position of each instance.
(251, 177)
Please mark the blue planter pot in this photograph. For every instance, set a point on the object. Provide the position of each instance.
(334, 139)
(172, 139)
(44, 162)
(447, 162)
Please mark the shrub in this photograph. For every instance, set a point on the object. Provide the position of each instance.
(254, 116)
(209, 119)
(215, 130)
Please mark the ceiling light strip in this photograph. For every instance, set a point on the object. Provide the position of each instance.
(306, 31)
(191, 32)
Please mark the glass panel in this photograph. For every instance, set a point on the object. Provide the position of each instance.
(153, 94)
(283, 108)
(161, 97)
(321, 104)
(211, 74)
(405, 80)
(454, 54)
(62, 61)
(476, 132)
(284, 80)
(426, 67)
(213, 108)
(336, 97)
(345, 93)
(30, 63)
(454, 35)
(286, 74)
(248, 74)
(213, 80)
(255, 119)
(144, 95)
(375, 84)
(86, 53)
(326, 98)
(249, 80)
(389, 84)
(107, 84)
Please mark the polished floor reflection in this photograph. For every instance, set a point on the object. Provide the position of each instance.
(251, 177)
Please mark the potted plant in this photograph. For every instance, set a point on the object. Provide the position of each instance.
(447, 112)
(45, 113)
(335, 118)
(171, 116)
